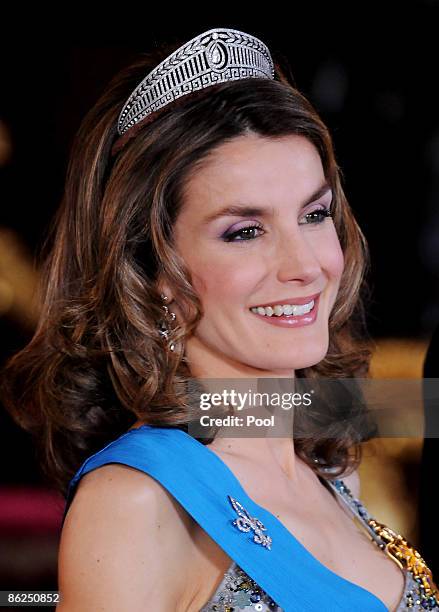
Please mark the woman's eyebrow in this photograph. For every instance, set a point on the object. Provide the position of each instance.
(246, 210)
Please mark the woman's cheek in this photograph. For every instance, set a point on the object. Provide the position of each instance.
(333, 258)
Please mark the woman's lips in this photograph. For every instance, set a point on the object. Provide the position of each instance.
(292, 300)
(292, 320)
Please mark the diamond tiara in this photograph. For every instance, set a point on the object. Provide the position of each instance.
(213, 57)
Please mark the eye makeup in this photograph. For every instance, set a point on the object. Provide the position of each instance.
(239, 232)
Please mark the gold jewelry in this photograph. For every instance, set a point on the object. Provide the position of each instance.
(406, 556)
(426, 593)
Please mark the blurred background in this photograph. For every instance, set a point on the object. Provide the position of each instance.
(371, 74)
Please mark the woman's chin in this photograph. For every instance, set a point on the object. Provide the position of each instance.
(294, 361)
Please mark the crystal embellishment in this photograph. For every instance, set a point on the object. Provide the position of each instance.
(245, 523)
(425, 593)
(216, 56)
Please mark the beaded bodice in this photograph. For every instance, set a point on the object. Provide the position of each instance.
(238, 591)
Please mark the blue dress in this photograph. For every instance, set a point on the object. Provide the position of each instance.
(271, 569)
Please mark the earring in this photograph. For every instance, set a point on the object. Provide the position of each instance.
(163, 327)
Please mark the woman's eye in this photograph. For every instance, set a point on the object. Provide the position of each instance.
(245, 233)
(249, 232)
(316, 216)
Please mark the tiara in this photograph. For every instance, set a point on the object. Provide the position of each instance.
(216, 56)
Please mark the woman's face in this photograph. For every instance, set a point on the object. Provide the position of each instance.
(285, 252)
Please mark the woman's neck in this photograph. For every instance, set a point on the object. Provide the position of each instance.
(276, 454)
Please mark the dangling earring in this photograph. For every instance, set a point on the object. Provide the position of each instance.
(163, 327)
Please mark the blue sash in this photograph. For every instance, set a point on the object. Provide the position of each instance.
(202, 483)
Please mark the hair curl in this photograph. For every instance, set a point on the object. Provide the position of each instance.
(96, 362)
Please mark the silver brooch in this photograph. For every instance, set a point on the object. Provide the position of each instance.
(245, 522)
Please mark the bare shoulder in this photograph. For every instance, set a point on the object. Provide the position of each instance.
(123, 544)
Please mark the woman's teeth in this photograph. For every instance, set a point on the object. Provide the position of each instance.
(286, 309)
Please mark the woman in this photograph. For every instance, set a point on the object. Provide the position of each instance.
(204, 235)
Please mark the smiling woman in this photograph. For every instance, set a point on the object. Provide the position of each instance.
(204, 234)
(294, 257)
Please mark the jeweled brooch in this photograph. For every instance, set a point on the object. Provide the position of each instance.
(245, 523)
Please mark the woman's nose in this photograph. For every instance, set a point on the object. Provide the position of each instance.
(297, 259)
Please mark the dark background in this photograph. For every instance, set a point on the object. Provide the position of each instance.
(370, 69)
(371, 72)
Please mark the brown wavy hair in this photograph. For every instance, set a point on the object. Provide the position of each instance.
(96, 362)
